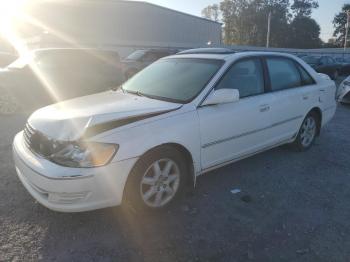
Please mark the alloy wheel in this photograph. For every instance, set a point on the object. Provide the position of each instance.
(160, 183)
(308, 132)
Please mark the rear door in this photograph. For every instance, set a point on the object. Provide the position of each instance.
(293, 92)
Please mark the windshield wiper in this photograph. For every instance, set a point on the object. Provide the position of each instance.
(138, 93)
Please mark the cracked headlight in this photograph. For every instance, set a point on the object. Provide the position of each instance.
(84, 154)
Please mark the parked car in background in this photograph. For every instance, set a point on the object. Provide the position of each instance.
(301, 55)
(345, 65)
(324, 64)
(45, 76)
(343, 93)
(6, 59)
(180, 117)
(139, 59)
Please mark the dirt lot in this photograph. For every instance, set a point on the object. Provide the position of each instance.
(293, 207)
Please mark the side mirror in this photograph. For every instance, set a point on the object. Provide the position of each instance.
(221, 96)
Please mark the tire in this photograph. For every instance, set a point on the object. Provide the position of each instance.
(307, 133)
(148, 190)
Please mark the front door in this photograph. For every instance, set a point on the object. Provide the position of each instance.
(233, 130)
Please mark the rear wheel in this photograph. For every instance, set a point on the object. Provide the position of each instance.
(157, 180)
(307, 132)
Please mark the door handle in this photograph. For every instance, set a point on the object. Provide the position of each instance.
(264, 108)
(305, 97)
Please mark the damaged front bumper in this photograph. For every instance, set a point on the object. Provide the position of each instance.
(67, 189)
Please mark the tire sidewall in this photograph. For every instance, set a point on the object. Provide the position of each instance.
(132, 194)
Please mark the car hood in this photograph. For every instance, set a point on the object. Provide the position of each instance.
(69, 120)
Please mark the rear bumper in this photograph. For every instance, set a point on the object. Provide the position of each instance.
(70, 189)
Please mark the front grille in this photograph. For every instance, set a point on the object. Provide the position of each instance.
(37, 142)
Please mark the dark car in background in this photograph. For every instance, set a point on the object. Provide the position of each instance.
(44, 76)
(345, 65)
(324, 64)
(139, 59)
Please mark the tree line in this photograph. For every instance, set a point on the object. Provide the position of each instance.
(245, 23)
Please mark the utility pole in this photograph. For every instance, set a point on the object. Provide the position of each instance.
(268, 30)
(346, 29)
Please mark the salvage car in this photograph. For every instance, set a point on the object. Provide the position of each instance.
(45, 76)
(343, 93)
(139, 59)
(324, 64)
(181, 117)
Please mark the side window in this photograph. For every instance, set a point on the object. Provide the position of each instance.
(283, 73)
(306, 79)
(246, 76)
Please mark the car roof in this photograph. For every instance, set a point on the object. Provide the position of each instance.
(208, 50)
(169, 50)
(230, 56)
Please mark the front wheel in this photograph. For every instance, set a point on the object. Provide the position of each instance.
(157, 180)
(307, 132)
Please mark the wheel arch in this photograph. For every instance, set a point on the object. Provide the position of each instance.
(183, 151)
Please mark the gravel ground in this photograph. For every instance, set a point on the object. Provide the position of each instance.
(292, 207)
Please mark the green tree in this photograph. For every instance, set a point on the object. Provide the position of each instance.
(304, 33)
(211, 12)
(339, 23)
(304, 7)
(245, 21)
(234, 21)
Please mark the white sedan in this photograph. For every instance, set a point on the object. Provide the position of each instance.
(179, 118)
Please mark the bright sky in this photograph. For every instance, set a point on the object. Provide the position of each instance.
(324, 14)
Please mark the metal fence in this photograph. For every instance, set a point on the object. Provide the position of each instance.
(333, 52)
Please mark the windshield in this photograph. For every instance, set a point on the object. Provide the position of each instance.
(178, 79)
(136, 55)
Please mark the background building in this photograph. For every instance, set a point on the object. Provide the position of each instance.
(116, 24)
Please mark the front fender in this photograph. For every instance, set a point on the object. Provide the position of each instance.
(181, 128)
